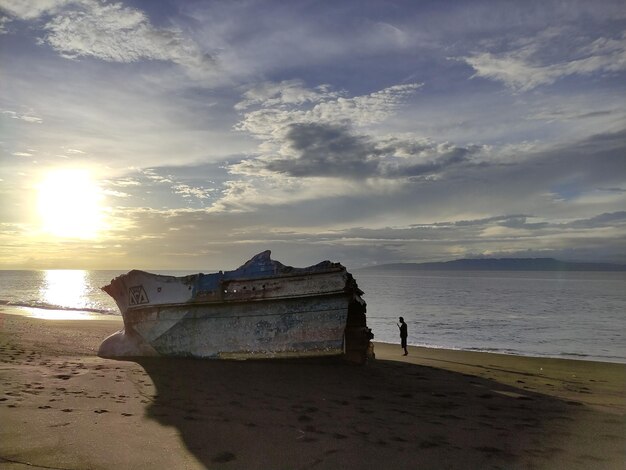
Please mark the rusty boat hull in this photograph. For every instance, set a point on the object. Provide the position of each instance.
(263, 309)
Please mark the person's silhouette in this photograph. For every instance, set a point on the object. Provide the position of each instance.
(403, 335)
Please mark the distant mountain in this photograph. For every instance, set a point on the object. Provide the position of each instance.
(501, 264)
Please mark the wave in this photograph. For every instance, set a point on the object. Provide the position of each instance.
(594, 357)
(47, 306)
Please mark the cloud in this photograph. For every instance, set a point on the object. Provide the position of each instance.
(326, 150)
(200, 237)
(152, 175)
(31, 9)
(607, 219)
(3, 22)
(476, 228)
(562, 113)
(275, 113)
(465, 190)
(113, 33)
(493, 210)
(155, 186)
(549, 56)
(320, 133)
(23, 117)
(189, 192)
(285, 93)
(366, 109)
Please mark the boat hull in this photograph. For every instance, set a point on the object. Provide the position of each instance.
(261, 310)
(275, 328)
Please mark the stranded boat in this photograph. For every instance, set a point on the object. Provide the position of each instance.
(263, 309)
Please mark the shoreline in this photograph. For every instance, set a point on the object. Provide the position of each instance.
(577, 357)
(64, 407)
(51, 314)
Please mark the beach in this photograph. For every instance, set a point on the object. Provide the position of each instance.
(63, 407)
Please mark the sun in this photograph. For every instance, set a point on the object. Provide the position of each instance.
(69, 204)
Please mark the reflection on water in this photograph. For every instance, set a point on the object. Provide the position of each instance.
(63, 287)
(56, 314)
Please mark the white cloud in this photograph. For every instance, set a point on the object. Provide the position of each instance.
(287, 92)
(239, 196)
(112, 32)
(532, 62)
(190, 192)
(31, 9)
(124, 182)
(276, 113)
(366, 109)
(3, 21)
(28, 117)
(152, 175)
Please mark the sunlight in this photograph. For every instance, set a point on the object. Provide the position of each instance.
(63, 288)
(66, 287)
(69, 204)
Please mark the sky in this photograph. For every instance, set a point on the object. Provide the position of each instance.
(195, 134)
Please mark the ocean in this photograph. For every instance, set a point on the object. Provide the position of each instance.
(574, 315)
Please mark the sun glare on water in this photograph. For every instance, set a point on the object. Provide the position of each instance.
(70, 204)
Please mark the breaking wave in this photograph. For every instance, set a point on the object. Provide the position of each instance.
(47, 306)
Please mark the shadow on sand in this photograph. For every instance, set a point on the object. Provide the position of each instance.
(330, 414)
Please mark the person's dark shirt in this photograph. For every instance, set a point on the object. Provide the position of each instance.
(403, 330)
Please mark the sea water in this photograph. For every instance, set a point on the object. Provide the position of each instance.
(554, 314)
(535, 313)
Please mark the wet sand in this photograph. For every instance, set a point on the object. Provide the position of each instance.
(63, 407)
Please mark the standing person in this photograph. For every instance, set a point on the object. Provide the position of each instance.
(403, 335)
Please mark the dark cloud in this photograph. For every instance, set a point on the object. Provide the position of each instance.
(473, 229)
(486, 220)
(329, 150)
(609, 219)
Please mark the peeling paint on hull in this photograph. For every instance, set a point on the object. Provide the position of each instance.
(261, 310)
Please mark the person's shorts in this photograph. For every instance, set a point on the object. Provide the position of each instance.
(403, 342)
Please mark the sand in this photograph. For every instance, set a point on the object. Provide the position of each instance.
(62, 407)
